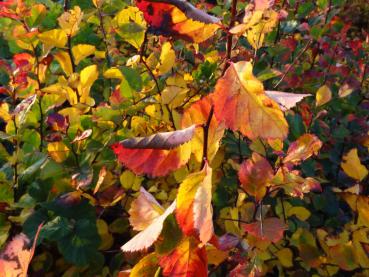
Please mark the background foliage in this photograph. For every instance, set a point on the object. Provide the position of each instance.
(78, 76)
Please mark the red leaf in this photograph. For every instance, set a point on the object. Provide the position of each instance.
(178, 18)
(270, 229)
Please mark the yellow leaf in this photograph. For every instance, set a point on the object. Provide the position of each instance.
(54, 38)
(167, 59)
(4, 112)
(64, 60)
(323, 95)
(352, 166)
(82, 51)
(69, 21)
(58, 151)
(215, 256)
(146, 267)
(113, 73)
(285, 257)
(88, 76)
(345, 90)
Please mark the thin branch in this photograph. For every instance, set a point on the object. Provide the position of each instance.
(293, 63)
(229, 35)
(206, 137)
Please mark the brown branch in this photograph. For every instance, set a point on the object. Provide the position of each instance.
(229, 35)
(206, 137)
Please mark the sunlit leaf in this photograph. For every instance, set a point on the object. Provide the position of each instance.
(323, 95)
(82, 51)
(54, 38)
(303, 148)
(69, 21)
(240, 101)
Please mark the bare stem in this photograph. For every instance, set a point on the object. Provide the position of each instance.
(206, 137)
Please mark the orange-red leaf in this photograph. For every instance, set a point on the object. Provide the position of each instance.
(186, 260)
(154, 162)
(303, 148)
(198, 113)
(178, 18)
(270, 229)
(254, 175)
(240, 101)
(194, 212)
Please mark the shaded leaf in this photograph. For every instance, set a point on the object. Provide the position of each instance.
(270, 229)
(352, 166)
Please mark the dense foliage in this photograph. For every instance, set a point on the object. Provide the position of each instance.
(163, 138)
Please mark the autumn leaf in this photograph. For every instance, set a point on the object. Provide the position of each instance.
(58, 151)
(255, 175)
(146, 267)
(269, 229)
(144, 210)
(69, 21)
(179, 19)
(167, 59)
(352, 166)
(303, 148)
(194, 212)
(323, 95)
(150, 234)
(54, 38)
(198, 113)
(286, 100)
(81, 51)
(187, 259)
(167, 140)
(16, 257)
(240, 101)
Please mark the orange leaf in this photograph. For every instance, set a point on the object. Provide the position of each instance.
(187, 260)
(178, 18)
(254, 175)
(303, 148)
(240, 101)
(194, 212)
(198, 113)
(270, 229)
(147, 237)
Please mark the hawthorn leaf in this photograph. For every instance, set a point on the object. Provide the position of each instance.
(179, 19)
(345, 90)
(167, 59)
(255, 175)
(54, 38)
(167, 140)
(146, 267)
(187, 259)
(153, 162)
(285, 256)
(81, 51)
(88, 76)
(198, 113)
(131, 26)
(286, 100)
(269, 229)
(63, 59)
(303, 148)
(69, 21)
(16, 256)
(359, 204)
(194, 211)
(352, 166)
(58, 151)
(24, 107)
(240, 101)
(82, 136)
(150, 234)
(323, 95)
(144, 210)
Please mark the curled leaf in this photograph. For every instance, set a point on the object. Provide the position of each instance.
(303, 148)
(167, 140)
